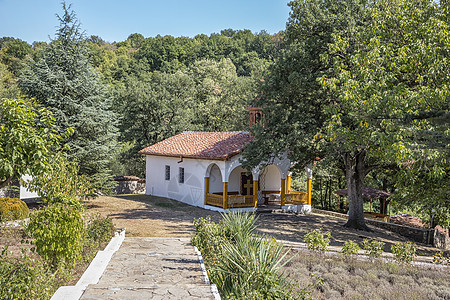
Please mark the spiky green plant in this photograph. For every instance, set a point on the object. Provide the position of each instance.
(240, 224)
(250, 266)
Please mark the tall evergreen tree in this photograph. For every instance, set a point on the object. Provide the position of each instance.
(63, 79)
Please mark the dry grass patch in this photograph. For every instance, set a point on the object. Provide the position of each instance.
(149, 216)
(358, 279)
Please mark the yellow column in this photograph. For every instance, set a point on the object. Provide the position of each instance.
(255, 193)
(225, 195)
(308, 190)
(288, 188)
(283, 191)
(206, 189)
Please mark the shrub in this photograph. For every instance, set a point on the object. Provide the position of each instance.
(25, 278)
(404, 252)
(373, 248)
(13, 209)
(72, 201)
(61, 182)
(250, 267)
(317, 240)
(438, 258)
(209, 238)
(240, 263)
(350, 248)
(240, 224)
(57, 231)
(99, 229)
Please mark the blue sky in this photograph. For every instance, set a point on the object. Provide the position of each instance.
(115, 20)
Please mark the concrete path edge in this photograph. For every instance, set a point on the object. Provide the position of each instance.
(93, 272)
(214, 289)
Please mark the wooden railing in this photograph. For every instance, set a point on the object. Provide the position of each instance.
(294, 197)
(233, 200)
(240, 201)
(214, 200)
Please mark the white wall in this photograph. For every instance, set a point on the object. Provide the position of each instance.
(271, 178)
(215, 180)
(192, 190)
(24, 192)
(234, 182)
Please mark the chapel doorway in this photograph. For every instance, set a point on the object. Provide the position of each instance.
(246, 184)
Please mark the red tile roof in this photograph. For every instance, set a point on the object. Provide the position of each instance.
(201, 145)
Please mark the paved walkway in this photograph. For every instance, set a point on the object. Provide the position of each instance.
(152, 268)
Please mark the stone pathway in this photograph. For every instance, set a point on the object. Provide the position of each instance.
(152, 268)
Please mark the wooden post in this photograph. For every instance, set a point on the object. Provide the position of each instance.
(288, 184)
(255, 193)
(308, 183)
(283, 191)
(206, 189)
(225, 195)
(308, 190)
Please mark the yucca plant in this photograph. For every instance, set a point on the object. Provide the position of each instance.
(250, 266)
(240, 224)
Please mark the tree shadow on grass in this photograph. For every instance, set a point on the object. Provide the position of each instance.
(176, 218)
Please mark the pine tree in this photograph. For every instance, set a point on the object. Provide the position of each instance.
(63, 79)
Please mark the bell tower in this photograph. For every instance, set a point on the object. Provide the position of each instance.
(256, 115)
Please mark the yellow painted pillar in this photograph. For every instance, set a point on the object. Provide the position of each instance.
(225, 195)
(255, 193)
(308, 189)
(283, 191)
(288, 188)
(206, 189)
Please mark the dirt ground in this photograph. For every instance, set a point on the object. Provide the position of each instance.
(150, 216)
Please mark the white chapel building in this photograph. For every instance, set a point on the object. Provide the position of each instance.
(204, 169)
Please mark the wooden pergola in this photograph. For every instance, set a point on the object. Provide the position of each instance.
(372, 193)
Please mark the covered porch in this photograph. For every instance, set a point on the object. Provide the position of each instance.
(240, 188)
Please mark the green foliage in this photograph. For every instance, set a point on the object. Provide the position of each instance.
(25, 278)
(240, 224)
(8, 83)
(239, 262)
(57, 230)
(61, 183)
(27, 139)
(62, 78)
(13, 52)
(439, 258)
(99, 229)
(13, 209)
(250, 267)
(350, 248)
(373, 248)
(404, 252)
(317, 240)
(391, 85)
(209, 238)
(207, 96)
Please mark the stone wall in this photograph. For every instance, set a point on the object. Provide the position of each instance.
(129, 185)
(441, 238)
(418, 235)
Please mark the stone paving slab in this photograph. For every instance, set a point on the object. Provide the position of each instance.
(152, 268)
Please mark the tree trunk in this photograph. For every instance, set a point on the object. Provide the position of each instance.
(6, 182)
(355, 172)
(330, 187)
(321, 196)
